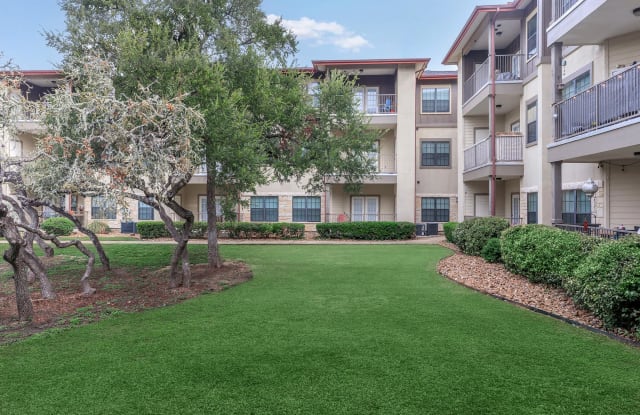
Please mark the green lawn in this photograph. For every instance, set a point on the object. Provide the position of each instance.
(323, 330)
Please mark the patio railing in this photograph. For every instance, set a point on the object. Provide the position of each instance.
(609, 102)
(509, 68)
(509, 148)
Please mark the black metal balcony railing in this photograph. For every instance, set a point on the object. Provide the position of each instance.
(359, 217)
(509, 68)
(612, 101)
(560, 7)
(598, 231)
(509, 148)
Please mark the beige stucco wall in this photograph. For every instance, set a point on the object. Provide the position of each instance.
(340, 200)
(405, 143)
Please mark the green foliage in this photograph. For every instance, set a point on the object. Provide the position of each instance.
(544, 254)
(491, 252)
(472, 235)
(367, 230)
(234, 230)
(255, 230)
(152, 229)
(449, 227)
(57, 226)
(607, 282)
(99, 227)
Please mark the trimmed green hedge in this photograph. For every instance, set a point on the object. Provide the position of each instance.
(152, 229)
(57, 226)
(449, 228)
(253, 230)
(544, 254)
(607, 282)
(472, 235)
(235, 230)
(367, 230)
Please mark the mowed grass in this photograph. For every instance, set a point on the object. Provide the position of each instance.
(322, 330)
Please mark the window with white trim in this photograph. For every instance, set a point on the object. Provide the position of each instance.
(145, 212)
(436, 100)
(103, 208)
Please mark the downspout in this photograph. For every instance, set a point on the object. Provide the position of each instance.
(492, 118)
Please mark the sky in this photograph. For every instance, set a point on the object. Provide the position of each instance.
(328, 29)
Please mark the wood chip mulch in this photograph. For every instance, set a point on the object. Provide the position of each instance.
(494, 279)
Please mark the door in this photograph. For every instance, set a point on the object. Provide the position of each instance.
(202, 207)
(481, 208)
(515, 209)
(364, 208)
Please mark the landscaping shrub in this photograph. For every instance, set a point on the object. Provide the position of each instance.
(152, 229)
(57, 226)
(367, 230)
(607, 282)
(99, 227)
(544, 254)
(449, 227)
(491, 252)
(283, 230)
(199, 230)
(472, 235)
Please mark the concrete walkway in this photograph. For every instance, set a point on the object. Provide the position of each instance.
(421, 240)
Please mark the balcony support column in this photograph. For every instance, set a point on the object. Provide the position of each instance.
(556, 75)
(492, 114)
(556, 192)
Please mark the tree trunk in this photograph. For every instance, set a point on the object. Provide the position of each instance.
(23, 297)
(213, 251)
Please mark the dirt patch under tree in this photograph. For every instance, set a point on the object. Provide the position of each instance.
(119, 290)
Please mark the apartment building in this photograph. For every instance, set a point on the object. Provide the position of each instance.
(534, 120)
(416, 157)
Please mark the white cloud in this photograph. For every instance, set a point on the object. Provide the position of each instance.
(323, 33)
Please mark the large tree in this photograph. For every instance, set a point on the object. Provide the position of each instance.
(260, 124)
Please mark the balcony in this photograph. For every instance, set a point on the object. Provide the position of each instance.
(385, 174)
(600, 123)
(589, 22)
(509, 158)
(510, 71)
(380, 107)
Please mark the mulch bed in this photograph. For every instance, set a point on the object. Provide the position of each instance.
(118, 290)
(494, 279)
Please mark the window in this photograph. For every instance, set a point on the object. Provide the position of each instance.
(313, 89)
(515, 126)
(532, 207)
(15, 148)
(202, 208)
(145, 212)
(435, 153)
(374, 155)
(102, 208)
(576, 85)
(532, 122)
(532, 36)
(435, 100)
(264, 208)
(435, 209)
(576, 207)
(364, 208)
(366, 99)
(306, 209)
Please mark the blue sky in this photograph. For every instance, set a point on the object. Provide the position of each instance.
(328, 29)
